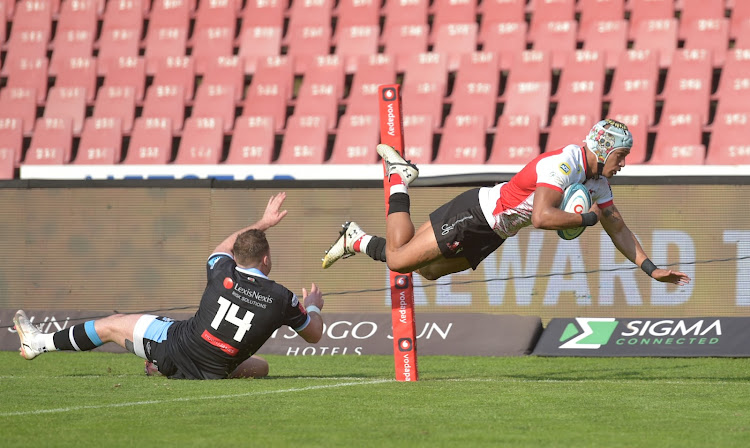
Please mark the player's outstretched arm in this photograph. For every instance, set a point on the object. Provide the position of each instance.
(628, 245)
(313, 302)
(272, 216)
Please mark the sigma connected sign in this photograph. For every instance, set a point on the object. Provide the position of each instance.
(607, 336)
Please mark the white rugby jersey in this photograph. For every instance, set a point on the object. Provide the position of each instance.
(507, 206)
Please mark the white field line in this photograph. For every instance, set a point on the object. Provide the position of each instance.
(177, 400)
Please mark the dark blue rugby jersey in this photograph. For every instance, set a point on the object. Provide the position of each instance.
(239, 311)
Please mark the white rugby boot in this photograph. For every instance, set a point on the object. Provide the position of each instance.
(395, 164)
(344, 246)
(31, 346)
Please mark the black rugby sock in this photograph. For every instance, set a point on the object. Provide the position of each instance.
(376, 248)
(81, 337)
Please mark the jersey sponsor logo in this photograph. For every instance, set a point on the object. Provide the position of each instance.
(448, 227)
(295, 300)
(565, 169)
(218, 343)
(228, 283)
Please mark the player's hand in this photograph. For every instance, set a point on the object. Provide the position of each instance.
(273, 214)
(314, 297)
(670, 276)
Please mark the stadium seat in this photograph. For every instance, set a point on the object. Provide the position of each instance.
(638, 127)
(165, 101)
(463, 140)
(128, 72)
(305, 140)
(455, 40)
(694, 10)
(312, 13)
(150, 142)
(688, 85)
(253, 141)
(266, 100)
(74, 44)
(306, 43)
(373, 71)
(424, 98)
(170, 14)
(101, 142)
(608, 38)
(11, 146)
(418, 137)
(201, 142)
(356, 139)
(27, 45)
(355, 41)
(125, 15)
(78, 15)
(476, 88)
(529, 86)
(116, 102)
(506, 39)
(217, 14)
(711, 35)
(516, 140)
(634, 84)
(177, 70)
(734, 85)
(453, 12)
(8, 8)
(427, 68)
(502, 11)
(3, 24)
(740, 14)
(358, 13)
(545, 11)
(162, 43)
(742, 39)
(51, 143)
(567, 129)
(404, 41)
(644, 10)
(659, 36)
(327, 70)
(115, 44)
(215, 101)
(68, 103)
(30, 73)
(595, 11)
(557, 38)
(263, 13)
(413, 12)
(729, 144)
(581, 86)
(679, 141)
(318, 99)
(19, 103)
(33, 15)
(276, 70)
(226, 71)
(78, 72)
(258, 42)
(209, 44)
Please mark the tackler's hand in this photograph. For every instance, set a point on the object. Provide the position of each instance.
(273, 214)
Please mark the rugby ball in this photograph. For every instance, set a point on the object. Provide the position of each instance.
(576, 199)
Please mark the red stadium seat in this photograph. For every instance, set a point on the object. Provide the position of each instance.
(403, 42)
(318, 99)
(125, 15)
(150, 143)
(27, 45)
(463, 140)
(33, 15)
(252, 141)
(170, 13)
(277, 70)
(128, 72)
(165, 101)
(51, 143)
(313, 13)
(679, 141)
(327, 70)
(7, 167)
(74, 44)
(258, 42)
(177, 70)
(305, 140)
(557, 38)
(644, 10)
(77, 15)
(201, 142)
(455, 40)
(734, 84)
(78, 72)
(529, 86)
(688, 86)
(581, 86)
(545, 11)
(355, 41)
(694, 10)
(215, 101)
(217, 14)
(418, 137)
(476, 87)
(373, 71)
(711, 35)
(659, 36)
(115, 44)
(595, 11)
(424, 98)
(162, 43)
(729, 144)
(358, 13)
(116, 102)
(266, 100)
(453, 12)
(11, 146)
(634, 84)
(740, 14)
(427, 68)
(8, 8)
(608, 38)
(516, 140)
(406, 13)
(101, 142)
(356, 139)
(68, 103)
(19, 103)
(306, 43)
(3, 24)
(507, 39)
(638, 127)
(211, 43)
(263, 13)
(30, 73)
(227, 71)
(502, 11)
(568, 129)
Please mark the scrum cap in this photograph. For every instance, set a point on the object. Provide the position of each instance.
(606, 136)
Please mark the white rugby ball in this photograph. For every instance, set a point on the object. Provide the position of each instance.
(576, 199)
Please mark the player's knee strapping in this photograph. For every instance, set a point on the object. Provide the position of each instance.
(81, 337)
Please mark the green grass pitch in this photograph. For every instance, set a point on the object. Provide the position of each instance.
(104, 399)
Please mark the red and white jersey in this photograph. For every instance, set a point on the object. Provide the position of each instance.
(507, 206)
